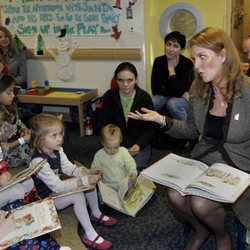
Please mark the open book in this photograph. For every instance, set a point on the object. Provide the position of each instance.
(218, 182)
(23, 175)
(75, 190)
(129, 199)
(32, 220)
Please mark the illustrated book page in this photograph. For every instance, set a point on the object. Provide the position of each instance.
(221, 183)
(111, 197)
(218, 182)
(138, 195)
(129, 199)
(175, 171)
(32, 220)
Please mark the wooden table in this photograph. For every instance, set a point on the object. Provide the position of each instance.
(60, 97)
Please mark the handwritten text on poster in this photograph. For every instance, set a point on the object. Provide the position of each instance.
(48, 17)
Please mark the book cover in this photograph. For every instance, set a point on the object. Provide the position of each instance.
(23, 175)
(32, 220)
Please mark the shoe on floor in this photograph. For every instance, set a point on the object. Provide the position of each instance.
(93, 243)
(110, 222)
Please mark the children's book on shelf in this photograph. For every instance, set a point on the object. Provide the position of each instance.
(23, 175)
(32, 220)
(129, 199)
(218, 182)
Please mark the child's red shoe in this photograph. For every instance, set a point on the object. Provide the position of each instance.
(30, 196)
(93, 243)
(110, 222)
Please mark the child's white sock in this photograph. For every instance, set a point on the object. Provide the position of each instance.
(93, 235)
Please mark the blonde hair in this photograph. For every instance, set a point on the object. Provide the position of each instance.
(40, 126)
(109, 132)
(216, 40)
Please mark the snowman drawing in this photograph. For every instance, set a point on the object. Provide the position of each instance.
(65, 49)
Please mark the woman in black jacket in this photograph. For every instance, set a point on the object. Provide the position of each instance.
(118, 102)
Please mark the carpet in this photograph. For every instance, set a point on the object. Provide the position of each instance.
(155, 227)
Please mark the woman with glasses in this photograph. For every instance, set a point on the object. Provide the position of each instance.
(118, 102)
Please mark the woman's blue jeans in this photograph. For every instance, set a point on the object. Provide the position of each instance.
(176, 107)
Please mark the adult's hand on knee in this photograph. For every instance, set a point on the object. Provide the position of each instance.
(134, 150)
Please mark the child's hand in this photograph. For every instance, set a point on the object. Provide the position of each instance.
(7, 225)
(93, 179)
(96, 170)
(132, 176)
(26, 134)
(2, 215)
(4, 178)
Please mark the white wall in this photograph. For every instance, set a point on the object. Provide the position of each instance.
(89, 73)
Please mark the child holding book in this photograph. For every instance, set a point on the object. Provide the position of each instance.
(46, 139)
(8, 225)
(115, 161)
(14, 135)
(15, 192)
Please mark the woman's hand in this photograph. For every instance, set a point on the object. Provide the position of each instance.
(26, 134)
(134, 150)
(147, 115)
(7, 225)
(186, 95)
(172, 63)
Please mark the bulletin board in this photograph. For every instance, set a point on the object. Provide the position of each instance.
(104, 29)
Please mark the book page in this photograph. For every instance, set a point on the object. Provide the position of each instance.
(23, 175)
(110, 197)
(32, 220)
(175, 171)
(138, 195)
(123, 187)
(134, 197)
(75, 190)
(222, 181)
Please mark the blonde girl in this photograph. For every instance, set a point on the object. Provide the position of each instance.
(115, 161)
(46, 139)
